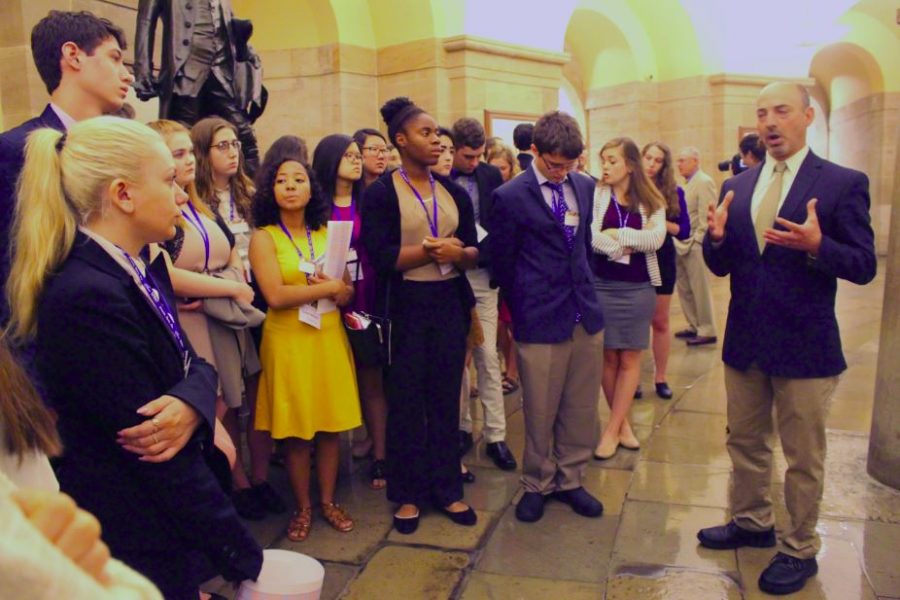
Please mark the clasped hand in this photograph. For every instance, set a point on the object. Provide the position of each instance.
(339, 290)
(443, 250)
(170, 424)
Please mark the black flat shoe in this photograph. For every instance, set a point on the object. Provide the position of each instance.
(664, 391)
(730, 537)
(406, 525)
(787, 574)
(464, 517)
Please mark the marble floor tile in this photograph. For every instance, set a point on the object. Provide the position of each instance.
(481, 586)
(664, 535)
(672, 584)
(877, 545)
(396, 572)
(695, 485)
(493, 489)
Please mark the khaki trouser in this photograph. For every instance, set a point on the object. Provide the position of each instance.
(693, 291)
(560, 392)
(801, 406)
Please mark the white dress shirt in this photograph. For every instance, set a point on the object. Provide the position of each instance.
(765, 179)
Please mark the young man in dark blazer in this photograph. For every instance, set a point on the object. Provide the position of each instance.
(782, 346)
(523, 134)
(80, 59)
(480, 179)
(540, 242)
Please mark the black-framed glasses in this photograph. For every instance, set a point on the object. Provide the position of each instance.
(224, 145)
(555, 166)
(376, 150)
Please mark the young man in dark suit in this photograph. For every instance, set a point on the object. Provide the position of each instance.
(523, 135)
(480, 180)
(80, 59)
(782, 346)
(540, 242)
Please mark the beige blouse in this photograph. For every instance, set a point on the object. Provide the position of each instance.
(415, 225)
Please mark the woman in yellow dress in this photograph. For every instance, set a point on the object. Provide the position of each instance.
(307, 390)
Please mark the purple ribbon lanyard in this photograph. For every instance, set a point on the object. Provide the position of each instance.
(622, 224)
(312, 250)
(159, 302)
(231, 211)
(197, 222)
(432, 222)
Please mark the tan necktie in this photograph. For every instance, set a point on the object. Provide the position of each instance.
(768, 206)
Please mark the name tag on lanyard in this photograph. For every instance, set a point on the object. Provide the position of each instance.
(571, 219)
(309, 314)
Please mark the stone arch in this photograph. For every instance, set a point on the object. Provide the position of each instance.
(847, 72)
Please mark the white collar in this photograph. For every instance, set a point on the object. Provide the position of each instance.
(793, 163)
(66, 118)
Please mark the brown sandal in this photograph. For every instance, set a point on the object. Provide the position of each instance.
(299, 525)
(337, 517)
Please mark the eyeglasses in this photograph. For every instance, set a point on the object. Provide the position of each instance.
(555, 166)
(224, 145)
(376, 150)
(353, 156)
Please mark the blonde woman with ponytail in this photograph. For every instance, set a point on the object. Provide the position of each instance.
(135, 403)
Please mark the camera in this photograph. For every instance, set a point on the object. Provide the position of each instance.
(734, 164)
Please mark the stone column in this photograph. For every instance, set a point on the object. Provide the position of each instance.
(884, 440)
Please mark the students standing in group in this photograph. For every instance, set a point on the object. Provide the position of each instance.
(110, 351)
(659, 167)
(419, 231)
(338, 165)
(374, 151)
(629, 227)
(307, 392)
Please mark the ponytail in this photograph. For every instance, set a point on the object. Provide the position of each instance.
(43, 230)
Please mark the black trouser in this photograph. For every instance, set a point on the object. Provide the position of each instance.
(215, 100)
(423, 386)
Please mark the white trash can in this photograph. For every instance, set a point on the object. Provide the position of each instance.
(285, 575)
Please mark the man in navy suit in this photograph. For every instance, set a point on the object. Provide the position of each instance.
(540, 242)
(782, 346)
(80, 59)
(480, 180)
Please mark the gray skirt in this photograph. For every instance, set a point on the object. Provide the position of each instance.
(627, 310)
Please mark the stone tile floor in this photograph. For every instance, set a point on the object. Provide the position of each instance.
(644, 546)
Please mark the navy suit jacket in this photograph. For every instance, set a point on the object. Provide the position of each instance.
(12, 155)
(488, 179)
(781, 315)
(544, 284)
(102, 352)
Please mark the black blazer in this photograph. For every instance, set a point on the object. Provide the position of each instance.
(380, 215)
(103, 352)
(488, 179)
(781, 315)
(524, 160)
(544, 284)
(12, 156)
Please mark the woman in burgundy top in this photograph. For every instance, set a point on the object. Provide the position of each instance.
(628, 228)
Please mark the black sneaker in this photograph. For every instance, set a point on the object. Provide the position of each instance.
(268, 498)
(787, 574)
(247, 506)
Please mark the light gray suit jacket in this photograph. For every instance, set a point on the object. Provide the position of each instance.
(699, 193)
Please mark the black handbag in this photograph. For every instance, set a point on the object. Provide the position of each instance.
(371, 346)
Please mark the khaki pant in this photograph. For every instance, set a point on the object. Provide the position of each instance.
(693, 291)
(560, 392)
(801, 406)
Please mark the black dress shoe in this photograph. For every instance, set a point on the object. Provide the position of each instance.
(685, 334)
(268, 498)
(466, 517)
(530, 507)
(406, 525)
(581, 502)
(247, 506)
(664, 391)
(465, 442)
(730, 536)
(701, 340)
(787, 574)
(502, 457)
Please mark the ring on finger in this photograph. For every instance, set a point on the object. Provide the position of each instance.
(155, 422)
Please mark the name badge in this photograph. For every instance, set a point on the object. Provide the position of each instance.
(241, 227)
(307, 267)
(309, 314)
(625, 259)
(446, 268)
(481, 232)
(571, 219)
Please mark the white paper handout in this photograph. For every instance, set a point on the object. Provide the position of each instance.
(339, 236)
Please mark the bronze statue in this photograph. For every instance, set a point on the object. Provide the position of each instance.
(208, 68)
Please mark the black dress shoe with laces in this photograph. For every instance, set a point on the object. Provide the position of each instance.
(581, 502)
(787, 574)
(730, 536)
(530, 507)
(502, 457)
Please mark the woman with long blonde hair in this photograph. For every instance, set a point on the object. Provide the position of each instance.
(115, 363)
(627, 230)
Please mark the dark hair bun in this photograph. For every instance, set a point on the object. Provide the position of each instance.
(393, 107)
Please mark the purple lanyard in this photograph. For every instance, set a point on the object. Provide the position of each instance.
(432, 222)
(197, 222)
(231, 210)
(159, 302)
(312, 250)
(622, 224)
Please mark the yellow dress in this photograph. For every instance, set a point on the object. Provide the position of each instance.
(308, 380)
